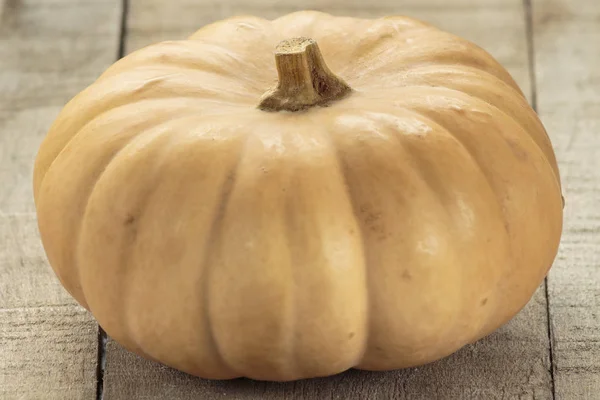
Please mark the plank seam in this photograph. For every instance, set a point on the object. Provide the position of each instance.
(101, 363)
(550, 339)
(102, 336)
(123, 32)
(528, 8)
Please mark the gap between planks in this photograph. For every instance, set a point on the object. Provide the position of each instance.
(102, 337)
(528, 13)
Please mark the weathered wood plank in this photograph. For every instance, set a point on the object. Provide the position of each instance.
(47, 353)
(496, 25)
(568, 79)
(513, 363)
(48, 344)
(49, 50)
(26, 278)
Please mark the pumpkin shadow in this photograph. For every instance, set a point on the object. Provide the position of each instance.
(511, 363)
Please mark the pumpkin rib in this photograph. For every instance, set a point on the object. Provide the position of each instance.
(102, 102)
(244, 86)
(157, 85)
(368, 81)
(439, 195)
(454, 52)
(294, 368)
(524, 132)
(224, 311)
(169, 53)
(372, 359)
(132, 141)
(437, 122)
(229, 20)
(245, 21)
(465, 151)
(58, 150)
(75, 262)
(266, 174)
(211, 245)
(544, 163)
(421, 70)
(483, 56)
(542, 139)
(124, 319)
(148, 88)
(362, 56)
(479, 76)
(497, 197)
(292, 347)
(140, 344)
(224, 371)
(200, 136)
(343, 168)
(434, 123)
(73, 269)
(397, 79)
(434, 194)
(517, 123)
(312, 152)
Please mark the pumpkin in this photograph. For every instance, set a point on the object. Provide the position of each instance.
(293, 198)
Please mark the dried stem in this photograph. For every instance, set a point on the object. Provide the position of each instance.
(304, 79)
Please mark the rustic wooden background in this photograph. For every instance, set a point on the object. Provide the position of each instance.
(50, 348)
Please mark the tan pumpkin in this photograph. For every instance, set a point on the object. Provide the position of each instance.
(379, 216)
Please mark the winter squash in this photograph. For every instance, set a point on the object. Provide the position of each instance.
(376, 194)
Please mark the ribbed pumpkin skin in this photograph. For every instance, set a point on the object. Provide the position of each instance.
(387, 230)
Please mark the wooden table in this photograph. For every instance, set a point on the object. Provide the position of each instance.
(50, 348)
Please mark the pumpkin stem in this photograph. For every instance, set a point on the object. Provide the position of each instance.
(304, 78)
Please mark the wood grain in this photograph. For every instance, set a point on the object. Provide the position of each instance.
(49, 50)
(513, 363)
(568, 80)
(48, 344)
(26, 278)
(496, 25)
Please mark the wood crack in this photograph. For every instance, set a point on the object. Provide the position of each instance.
(528, 11)
(102, 337)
